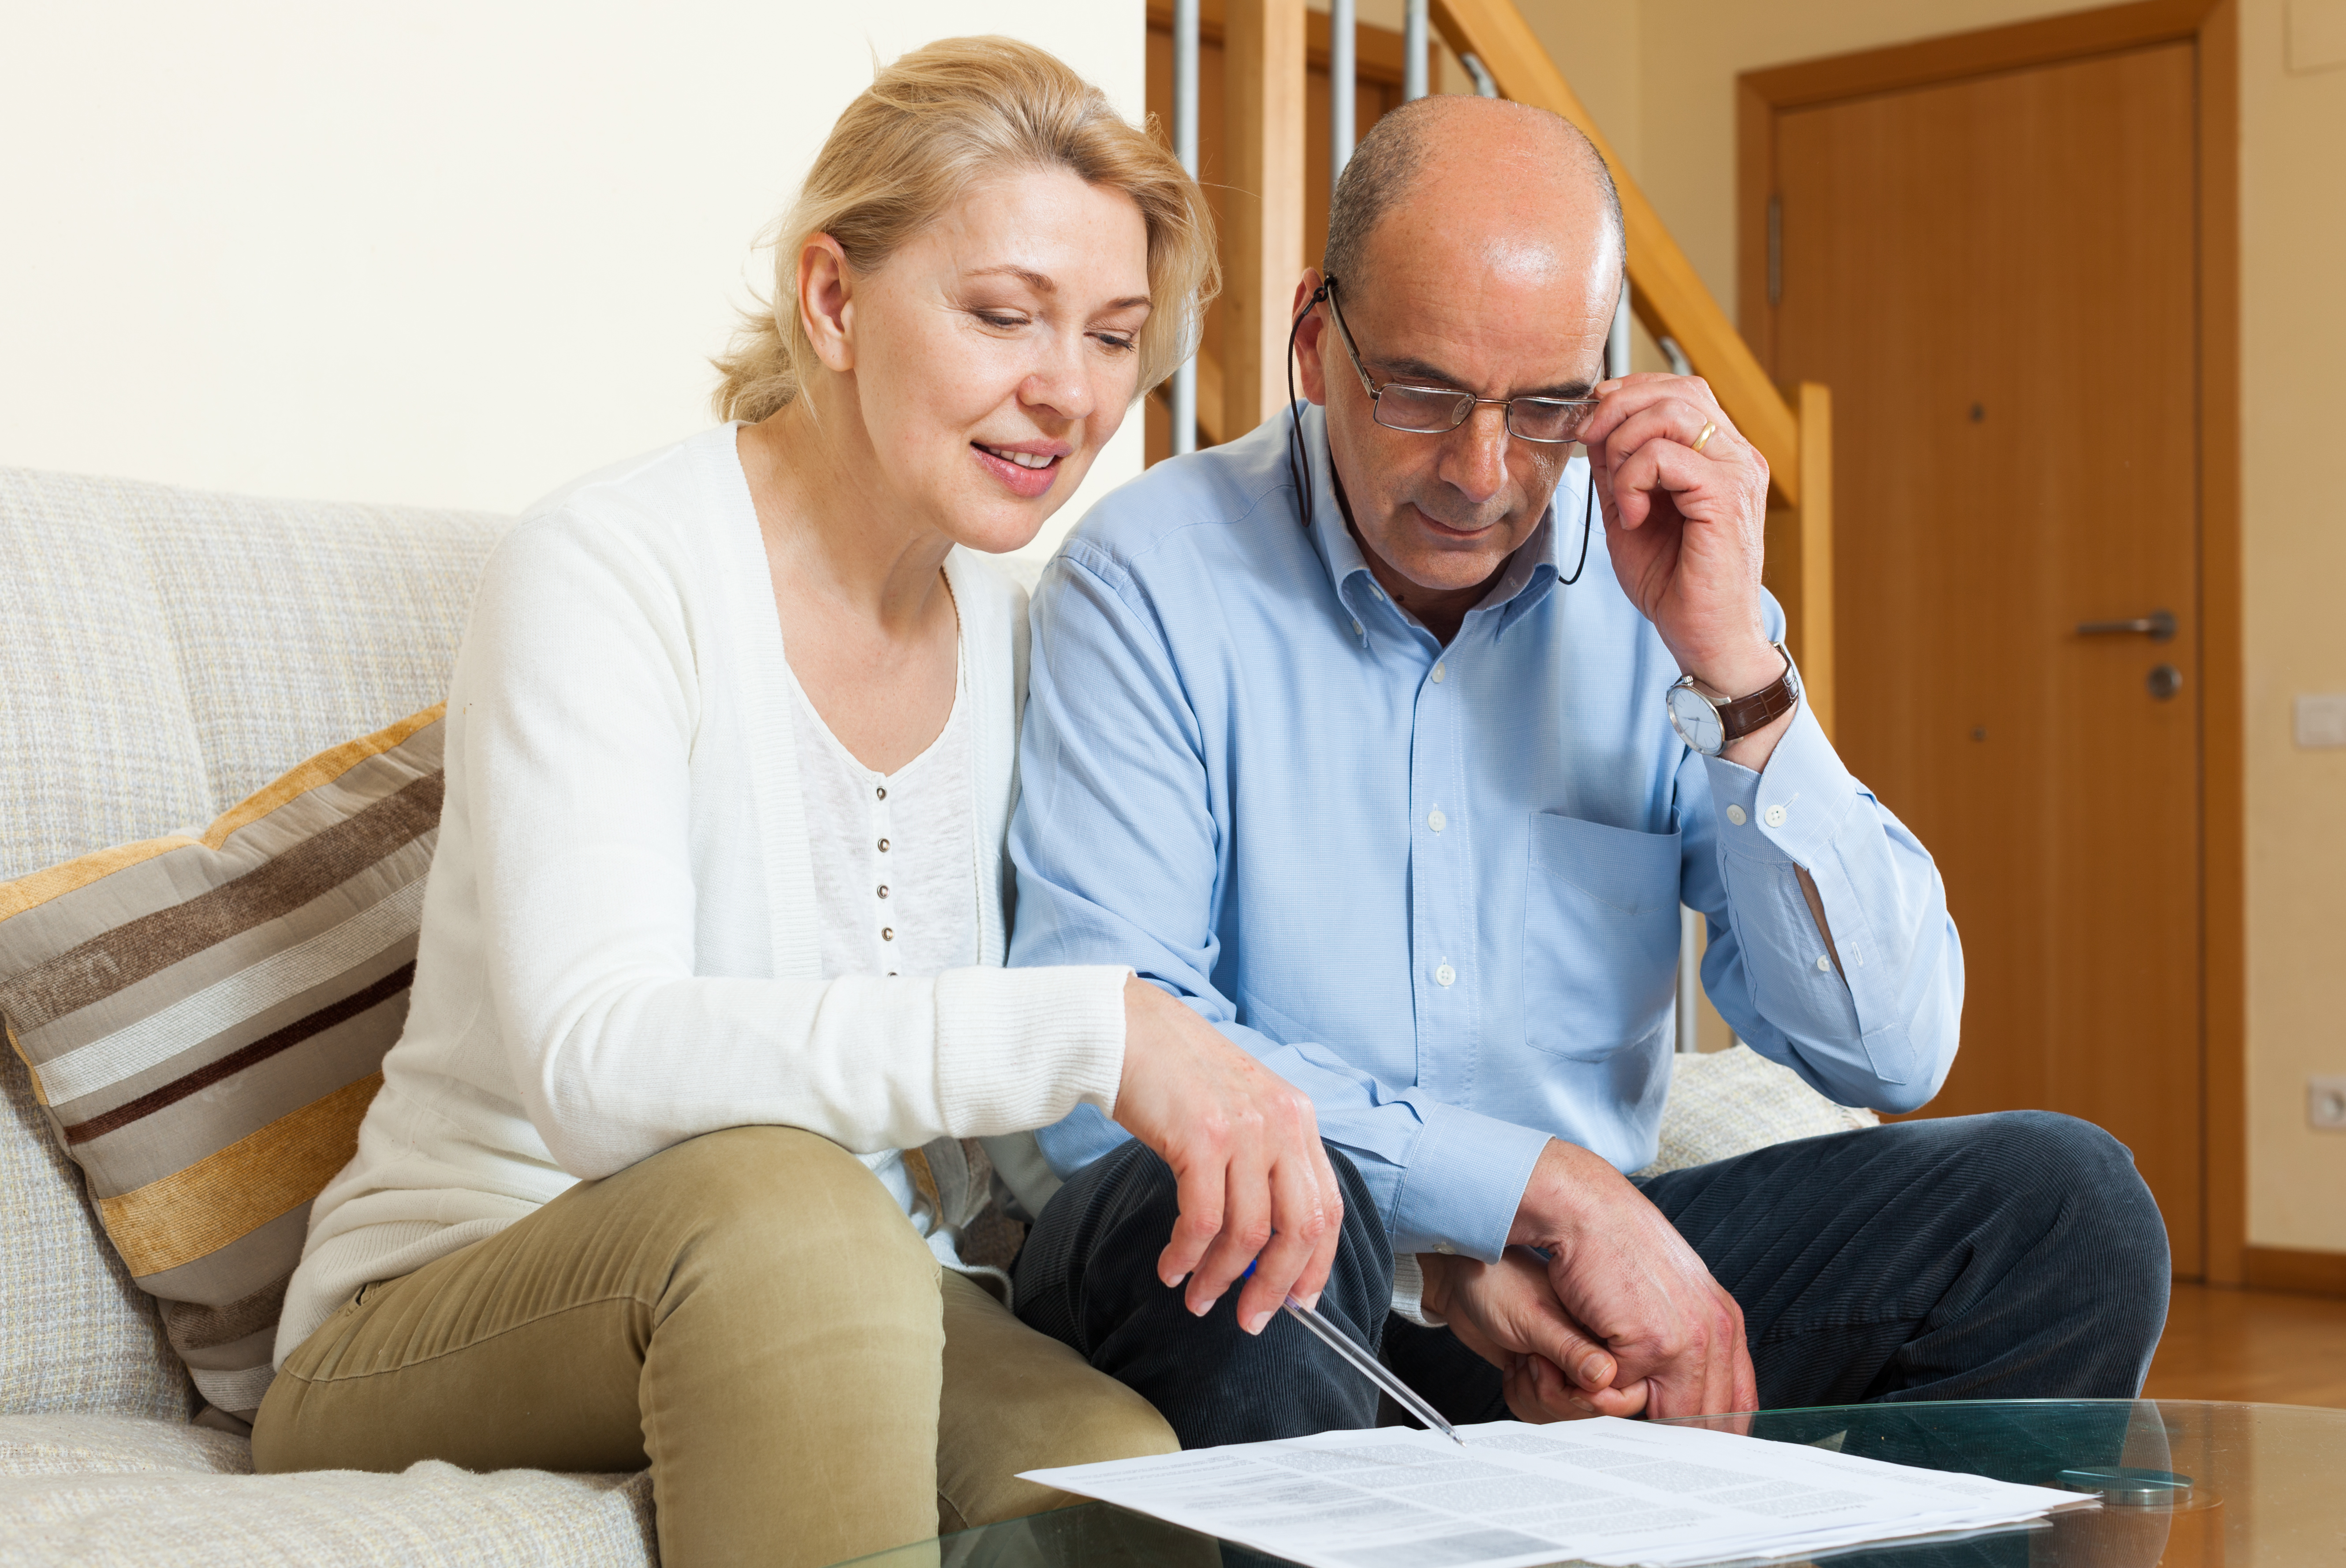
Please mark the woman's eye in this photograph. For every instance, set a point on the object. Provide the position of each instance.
(1119, 342)
(993, 320)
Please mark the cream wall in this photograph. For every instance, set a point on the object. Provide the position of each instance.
(431, 252)
(1668, 69)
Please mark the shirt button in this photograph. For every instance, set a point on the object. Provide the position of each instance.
(883, 890)
(1436, 821)
(884, 843)
(1357, 628)
(1734, 815)
(1437, 674)
(887, 933)
(1444, 1248)
(1776, 815)
(1446, 975)
(1825, 963)
(883, 791)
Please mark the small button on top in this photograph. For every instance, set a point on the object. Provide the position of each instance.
(883, 791)
(883, 890)
(887, 933)
(1444, 1248)
(1824, 963)
(1437, 674)
(1735, 815)
(1357, 628)
(1776, 815)
(1446, 975)
(1436, 821)
(883, 846)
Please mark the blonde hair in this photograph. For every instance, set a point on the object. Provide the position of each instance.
(928, 128)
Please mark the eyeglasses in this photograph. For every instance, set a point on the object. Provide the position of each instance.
(1437, 411)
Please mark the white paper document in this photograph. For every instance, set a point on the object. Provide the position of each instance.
(1603, 1490)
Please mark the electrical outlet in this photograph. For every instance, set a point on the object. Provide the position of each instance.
(2325, 1103)
(2321, 720)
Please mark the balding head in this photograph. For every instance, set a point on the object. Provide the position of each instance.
(1474, 246)
(1505, 174)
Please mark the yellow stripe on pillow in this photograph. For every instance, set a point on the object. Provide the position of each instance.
(195, 1212)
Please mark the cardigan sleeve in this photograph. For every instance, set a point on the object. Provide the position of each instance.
(574, 720)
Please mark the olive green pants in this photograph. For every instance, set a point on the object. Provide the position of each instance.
(748, 1314)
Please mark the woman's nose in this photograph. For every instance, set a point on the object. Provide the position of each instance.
(1058, 382)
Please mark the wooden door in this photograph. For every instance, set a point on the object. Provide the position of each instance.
(1997, 277)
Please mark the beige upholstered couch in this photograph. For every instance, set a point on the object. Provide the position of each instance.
(163, 654)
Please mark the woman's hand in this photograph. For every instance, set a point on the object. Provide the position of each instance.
(1507, 1313)
(1244, 1145)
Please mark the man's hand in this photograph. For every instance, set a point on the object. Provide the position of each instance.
(1625, 1275)
(1506, 1312)
(1687, 530)
(1244, 1145)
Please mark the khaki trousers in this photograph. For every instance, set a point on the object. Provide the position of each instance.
(748, 1314)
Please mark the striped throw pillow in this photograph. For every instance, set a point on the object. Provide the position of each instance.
(206, 1018)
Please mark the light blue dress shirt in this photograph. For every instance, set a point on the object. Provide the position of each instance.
(1438, 888)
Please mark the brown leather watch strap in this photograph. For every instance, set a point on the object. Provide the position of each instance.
(1745, 714)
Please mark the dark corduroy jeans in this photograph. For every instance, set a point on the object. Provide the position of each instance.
(2013, 1255)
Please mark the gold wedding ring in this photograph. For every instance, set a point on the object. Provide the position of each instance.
(1709, 430)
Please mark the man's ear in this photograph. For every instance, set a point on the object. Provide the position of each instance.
(1311, 367)
(826, 301)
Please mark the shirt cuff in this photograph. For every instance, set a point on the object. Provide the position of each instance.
(1465, 1181)
(1020, 1048)
(1409, 1293)
(1789, 812)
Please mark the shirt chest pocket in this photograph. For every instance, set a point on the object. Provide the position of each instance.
(1600, 937)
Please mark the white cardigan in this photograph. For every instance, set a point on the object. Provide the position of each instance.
(619, 947)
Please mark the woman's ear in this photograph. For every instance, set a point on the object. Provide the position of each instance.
(826, 305)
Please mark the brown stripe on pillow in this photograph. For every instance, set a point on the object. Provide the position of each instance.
(196, 1328)
(261, 1050)
(130, 952)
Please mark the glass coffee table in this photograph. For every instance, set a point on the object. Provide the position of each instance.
(2184, 1484)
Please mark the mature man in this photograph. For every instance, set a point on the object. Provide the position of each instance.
(1370, 755)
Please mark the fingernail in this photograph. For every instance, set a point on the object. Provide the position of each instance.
(1256, 1325)
(1593, 1370)
(1209, 1306)
(1311, 1302)
(1583, 1404)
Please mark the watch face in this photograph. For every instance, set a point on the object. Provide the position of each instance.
(1696, 720)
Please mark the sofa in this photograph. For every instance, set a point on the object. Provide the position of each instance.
(164, 653)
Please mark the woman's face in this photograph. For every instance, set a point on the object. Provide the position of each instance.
(993, 357)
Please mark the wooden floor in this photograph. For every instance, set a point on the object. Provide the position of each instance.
(2258, 1345)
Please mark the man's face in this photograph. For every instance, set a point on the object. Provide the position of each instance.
(1487, 302)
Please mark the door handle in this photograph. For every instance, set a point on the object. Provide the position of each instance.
(2158, 626)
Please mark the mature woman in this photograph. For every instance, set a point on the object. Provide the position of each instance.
(709, 1000)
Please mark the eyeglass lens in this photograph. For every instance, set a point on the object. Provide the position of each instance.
(1428, 411)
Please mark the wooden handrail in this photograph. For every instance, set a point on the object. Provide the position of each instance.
(1665, 290)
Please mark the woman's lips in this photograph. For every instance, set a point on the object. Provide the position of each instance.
(1020, 480)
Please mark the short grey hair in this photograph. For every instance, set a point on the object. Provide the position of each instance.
(1386, 164)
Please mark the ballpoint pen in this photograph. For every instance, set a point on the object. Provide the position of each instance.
(1358, 1357)
(1369, 1366)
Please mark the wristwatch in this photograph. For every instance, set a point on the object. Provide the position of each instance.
(1706, 723)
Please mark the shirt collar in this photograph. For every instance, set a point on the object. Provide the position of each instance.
(1527, 578)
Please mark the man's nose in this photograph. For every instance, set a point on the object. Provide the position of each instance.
(1475, 455)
